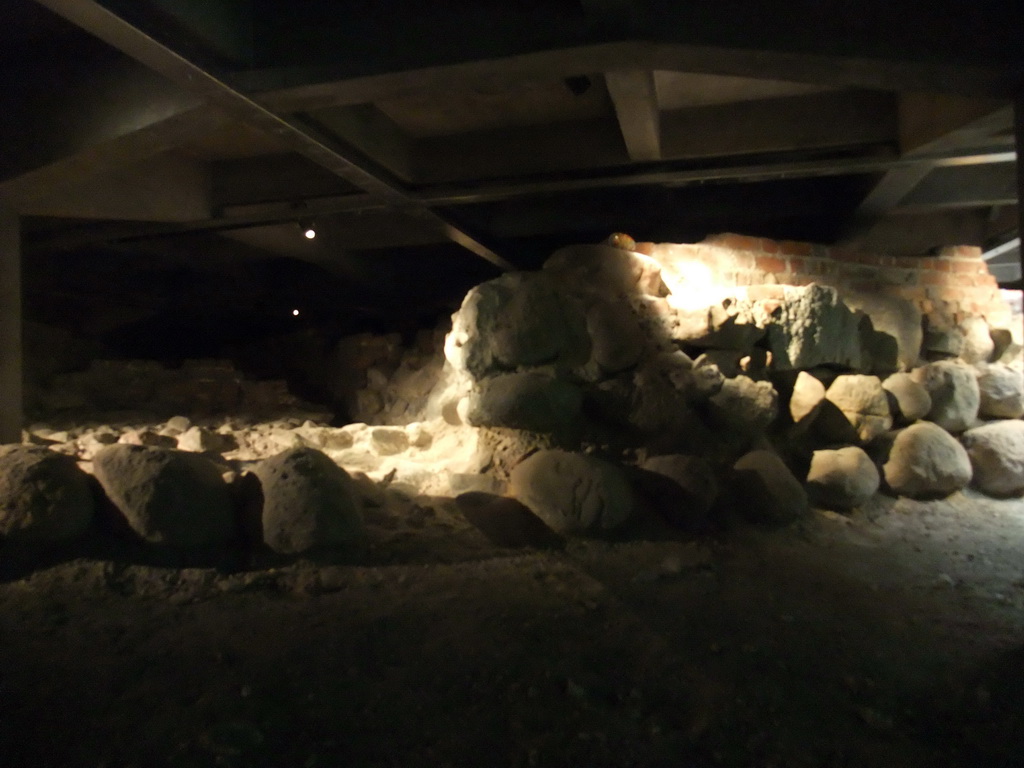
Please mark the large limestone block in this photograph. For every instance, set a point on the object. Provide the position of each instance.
(616, 339)
(714, 327)
(910, 400)
(765, 490)
(953, 388)
(607, 269)
(308, 502)
(518, 319)
(925, 461)
(813, 327)
(842, 479)
(808, 391)
(895, 316)
(573, 493)
(44, 496)
(529, 400)
(996, 451)
(863, 401)
(1002, 392)
(978, 344)
(168, 497)
(746, 404)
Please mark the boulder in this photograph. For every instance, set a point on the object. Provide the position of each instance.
(808, 391)
(813, 327)
(308, 502)
(864, 403)
(518, 319)
(978, 345)
(616, 339)
(746, 404)
(925, 461)
(168, 497)
(44, 496)
(715, 328)
(686, 489)
(765, 490)
(573, 493)
(1002, 392)
(506, 522)
(942, 342)
(996, 451)
(894, 316)
(825, 425)
(953, 388)
(842, 479)
(607, 269)
(529, 400)
(909, 400)
(201, 440)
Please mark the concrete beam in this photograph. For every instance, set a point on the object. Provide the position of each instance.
(816, 121)
(72, 109)
(34, 191)
(636, 108)
(162, 188)
(973, 186)
(305, 88)
(94, 18)
(928, 124)
(11, 373)
(1018, 132)
(374, 134)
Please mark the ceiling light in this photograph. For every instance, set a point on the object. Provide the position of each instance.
(308, 229)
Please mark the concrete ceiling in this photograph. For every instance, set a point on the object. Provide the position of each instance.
(506, 128)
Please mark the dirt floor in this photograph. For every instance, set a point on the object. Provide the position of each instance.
(894, 637)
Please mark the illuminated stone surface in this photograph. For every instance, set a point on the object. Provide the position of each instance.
(953, 388)
(911, 399)
(843, 478)
(1002, 392)
(863, 401)
(997, 457)
(926, 462)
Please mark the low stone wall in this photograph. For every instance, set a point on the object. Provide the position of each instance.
(946, 288)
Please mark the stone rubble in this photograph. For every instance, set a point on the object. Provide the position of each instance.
(606, 381)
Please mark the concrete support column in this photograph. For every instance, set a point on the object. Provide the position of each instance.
(1018, 123)
(10, 327)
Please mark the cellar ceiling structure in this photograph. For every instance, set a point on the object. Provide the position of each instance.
(482, 134)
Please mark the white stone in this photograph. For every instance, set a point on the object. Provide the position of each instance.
(607, 269)
(1002, 392)
(842, 479)
(863, 401)
(926, 461)
(997, 456)
(808, 391)
(978, 345)
(573, 493)
(518, 319)
(953, 388)
(912, 400)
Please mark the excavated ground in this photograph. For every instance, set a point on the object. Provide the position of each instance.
(894, 638)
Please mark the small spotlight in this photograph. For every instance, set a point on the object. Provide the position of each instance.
(308, 229)
(295, 312)
(310, 233)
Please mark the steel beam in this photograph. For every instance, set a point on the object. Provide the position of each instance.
(636, 108)
(99, 21)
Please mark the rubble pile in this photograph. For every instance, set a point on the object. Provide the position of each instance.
(607, 386)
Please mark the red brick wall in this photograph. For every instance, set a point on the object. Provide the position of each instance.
(946, 288)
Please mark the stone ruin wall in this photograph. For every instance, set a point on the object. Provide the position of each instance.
(737, 376)
(946, 288)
